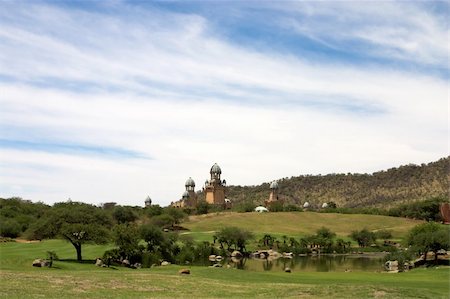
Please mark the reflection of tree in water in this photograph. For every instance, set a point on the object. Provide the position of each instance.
(267, 265)
(240, 263)
(365, 263)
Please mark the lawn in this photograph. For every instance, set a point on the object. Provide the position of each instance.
(296, 224)
(74, 280)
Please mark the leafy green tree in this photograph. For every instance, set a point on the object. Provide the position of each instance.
(429, 236)
(152, 235)
(124, 214)
(176, 214)
(234, 236)
(154, 210)
(363, 237)
(78, 223)
(126, 237)
(163, 220)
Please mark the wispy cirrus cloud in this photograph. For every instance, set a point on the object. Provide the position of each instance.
(91, 93)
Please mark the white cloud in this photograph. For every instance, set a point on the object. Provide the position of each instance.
(169, 88)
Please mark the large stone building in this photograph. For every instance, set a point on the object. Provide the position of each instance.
(189, 197)
(215, 187)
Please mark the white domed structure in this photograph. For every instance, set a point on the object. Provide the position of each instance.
(274, 185)
(185, 195)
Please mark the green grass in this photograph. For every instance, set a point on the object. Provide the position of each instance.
(70, 279)
(295, 223)
(88, 281)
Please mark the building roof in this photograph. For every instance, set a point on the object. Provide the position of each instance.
(185, 194)
(216, 169)
(189, 182)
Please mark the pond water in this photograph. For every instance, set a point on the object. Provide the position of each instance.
(310, 263)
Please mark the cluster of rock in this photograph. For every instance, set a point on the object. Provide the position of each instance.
(126, 263)
(394, 267)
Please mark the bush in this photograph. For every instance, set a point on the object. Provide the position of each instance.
(244, 207)
(10, 228)
(383, 234)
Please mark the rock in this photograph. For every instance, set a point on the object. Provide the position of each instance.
(184, 271)
(236, 260)
(98, 262)
(219, 258)
(136, 266)
(126, 263)
(262, 256)
(165, 263)
(216, 266)
(41, 263)
(37, 263)
(228, 266)
(212, 257)
(236, 253)
(287, 270)
(288, 255)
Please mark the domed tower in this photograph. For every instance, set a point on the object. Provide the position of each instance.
(273, 191)
(189, 196)
(215, 188)
(148, 201)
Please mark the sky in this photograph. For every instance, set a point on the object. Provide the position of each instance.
(114, 101)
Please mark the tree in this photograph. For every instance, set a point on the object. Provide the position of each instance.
(126, 237)
(363, 237)
(202, 207)
(152, 235)
(78, 223)
(233, 236)
(124, 214)
(427, 237)
(176, 214)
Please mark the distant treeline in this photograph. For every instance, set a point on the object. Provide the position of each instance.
(383, 189)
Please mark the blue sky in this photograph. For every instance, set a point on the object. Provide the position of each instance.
(116, 100)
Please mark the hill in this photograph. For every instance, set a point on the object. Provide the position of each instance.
(296, 223)
(380, 189)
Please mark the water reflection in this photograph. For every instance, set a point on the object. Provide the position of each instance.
(322, 263)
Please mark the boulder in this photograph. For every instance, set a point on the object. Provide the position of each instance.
(165, 263)
(287, 270)
(184, 271)
(126, 263)
(262, 256)
(216, 266)
(37, 263)
(136, 266)
(212, 257)
(219, 258)
(236, 253)
(98, 262)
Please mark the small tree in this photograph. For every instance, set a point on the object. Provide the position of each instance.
(363, 237)
(427, 237)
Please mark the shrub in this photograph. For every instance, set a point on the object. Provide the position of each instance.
(10, 228)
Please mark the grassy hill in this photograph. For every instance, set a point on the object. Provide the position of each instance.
(380, 189)
(295, 224)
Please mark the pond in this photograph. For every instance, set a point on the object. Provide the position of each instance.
(309, 263)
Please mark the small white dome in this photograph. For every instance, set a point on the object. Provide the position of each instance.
(185, 194)
(274, 185)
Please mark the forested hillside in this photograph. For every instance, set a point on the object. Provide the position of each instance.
(380, 189)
